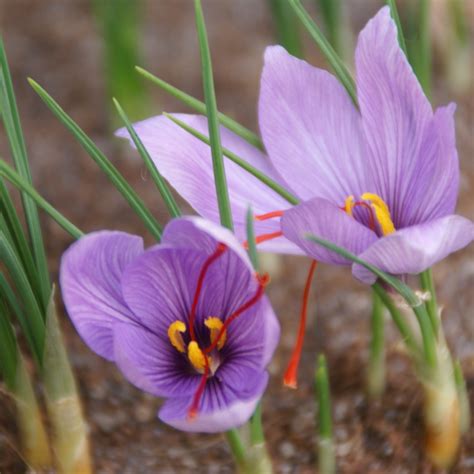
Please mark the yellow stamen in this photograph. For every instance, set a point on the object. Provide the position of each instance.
(382, 212)
(349, 205)
(174, 334)
(197, 357)
(215, 325)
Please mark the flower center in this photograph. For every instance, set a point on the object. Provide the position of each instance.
(379, 211)
(206, 361)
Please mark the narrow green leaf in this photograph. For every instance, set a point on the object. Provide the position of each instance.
(11, 222)
(376, 367)
(286, 27)
(331, 13)
(427, 283)
(425, 55)
(200, 107)
(10, 174)
(159, 181)
(105, 164)
(396, 18)
(429, 340)
(30, 319)
(292, 199)
(222, 191)
(326, 457)
(252, 246)
(328, 51)
(11, 120)
(8, 347)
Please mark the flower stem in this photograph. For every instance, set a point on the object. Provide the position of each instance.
(376, 369)
(256, 428)
(426, 279)
(326, 458)
(403, 328)
(236, 446)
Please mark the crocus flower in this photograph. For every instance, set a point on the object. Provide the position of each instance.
(185, 320)
(380, 180)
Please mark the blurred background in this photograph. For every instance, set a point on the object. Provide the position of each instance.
(83, 52)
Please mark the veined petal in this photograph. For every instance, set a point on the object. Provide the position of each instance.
(395, 112)
(415, 249)
(186, 163)
(91, 273)
(323, 219)
(311, 129)
(152, 363)
(432, 190)
(222, 407)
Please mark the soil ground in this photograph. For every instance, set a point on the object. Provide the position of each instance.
(58, 44)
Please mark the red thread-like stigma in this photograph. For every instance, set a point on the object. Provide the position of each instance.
(221, 248)
(194, 408)
(268, 215)
(291, 373)
(264, 237)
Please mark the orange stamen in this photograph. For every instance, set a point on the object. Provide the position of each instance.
(263, 281)
(264, 237)
(221, 248)
(268, 215)
(291, 373)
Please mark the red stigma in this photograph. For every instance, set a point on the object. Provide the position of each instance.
(194, 408)
(221, 248)
(262, 282)
(268, 215)
(371, 213)
(264, 237)
(291, 373)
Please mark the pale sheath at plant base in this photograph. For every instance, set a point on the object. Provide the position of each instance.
(186, 320)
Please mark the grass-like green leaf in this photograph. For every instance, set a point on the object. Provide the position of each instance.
(10, 174)
(396, 18)
(291, 198)
(429, 339)
(11, 121)
(200, 107)
(8, 346)
(28, 311)
(220, 181)
(11, 224)
(286, 27)
(104, 163)
(159, 181)
(328, 51)
(252, 246)
(332, 17)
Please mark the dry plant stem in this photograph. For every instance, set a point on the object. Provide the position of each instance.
(34, 440)
(70, 435)
(464, 408)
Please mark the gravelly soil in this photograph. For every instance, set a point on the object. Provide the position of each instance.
(57, 43)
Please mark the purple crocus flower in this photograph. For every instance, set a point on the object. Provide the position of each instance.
(381, 181)
(185, 320)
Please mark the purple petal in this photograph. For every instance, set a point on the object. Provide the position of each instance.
(311, 129)
(222, 407)
(415, 249)
(323, 219)
(91, 273)
(395, 112)
(433, 189)
(151, 363)
(186, 163)
(159, 286)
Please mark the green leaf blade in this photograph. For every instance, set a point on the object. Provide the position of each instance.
(103, 162)
(222, 191)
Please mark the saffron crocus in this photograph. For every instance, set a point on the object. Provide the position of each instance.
(186, 320)
(380, 180)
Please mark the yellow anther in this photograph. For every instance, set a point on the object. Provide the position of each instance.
(174, 334)
(349, 205)
(382, 212)
(215, 325)
(197, 357)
